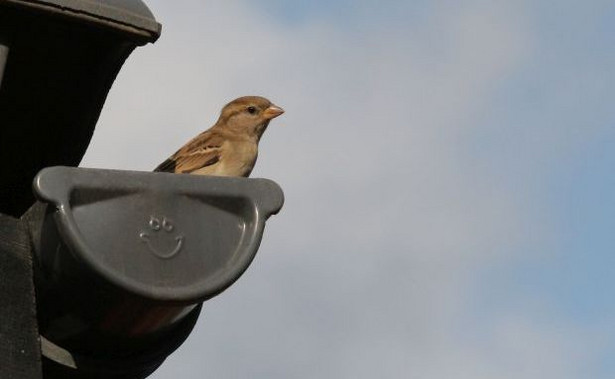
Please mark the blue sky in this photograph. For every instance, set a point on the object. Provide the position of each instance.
(561, 101)
(555, 140)
(448, 176)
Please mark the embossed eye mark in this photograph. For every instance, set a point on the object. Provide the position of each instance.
(154, 223)
(167, 225)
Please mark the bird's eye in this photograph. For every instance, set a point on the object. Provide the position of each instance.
(251, 110)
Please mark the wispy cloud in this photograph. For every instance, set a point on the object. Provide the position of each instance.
(371, 268)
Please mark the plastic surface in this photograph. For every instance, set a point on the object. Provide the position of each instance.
(120, 14)
(123, 260)
(164, 237)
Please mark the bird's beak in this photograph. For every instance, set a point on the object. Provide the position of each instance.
(272, 112)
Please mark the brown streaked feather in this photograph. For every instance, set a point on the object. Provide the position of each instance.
(186, 163)
(209, 138)
(203, 150)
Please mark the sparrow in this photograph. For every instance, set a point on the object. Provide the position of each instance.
(230, 147)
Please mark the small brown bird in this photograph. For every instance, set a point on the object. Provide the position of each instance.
(230, 147)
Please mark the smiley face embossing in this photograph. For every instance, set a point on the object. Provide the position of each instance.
(157, 236)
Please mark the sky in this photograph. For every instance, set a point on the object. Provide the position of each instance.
(448, 174)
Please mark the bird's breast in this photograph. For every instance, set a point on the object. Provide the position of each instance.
(238, 158)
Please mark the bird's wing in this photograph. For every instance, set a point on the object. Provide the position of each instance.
(204, 150)
(207, 156)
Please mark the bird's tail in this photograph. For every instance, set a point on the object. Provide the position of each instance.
(166, 166)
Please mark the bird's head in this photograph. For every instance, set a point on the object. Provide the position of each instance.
(248, 114)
